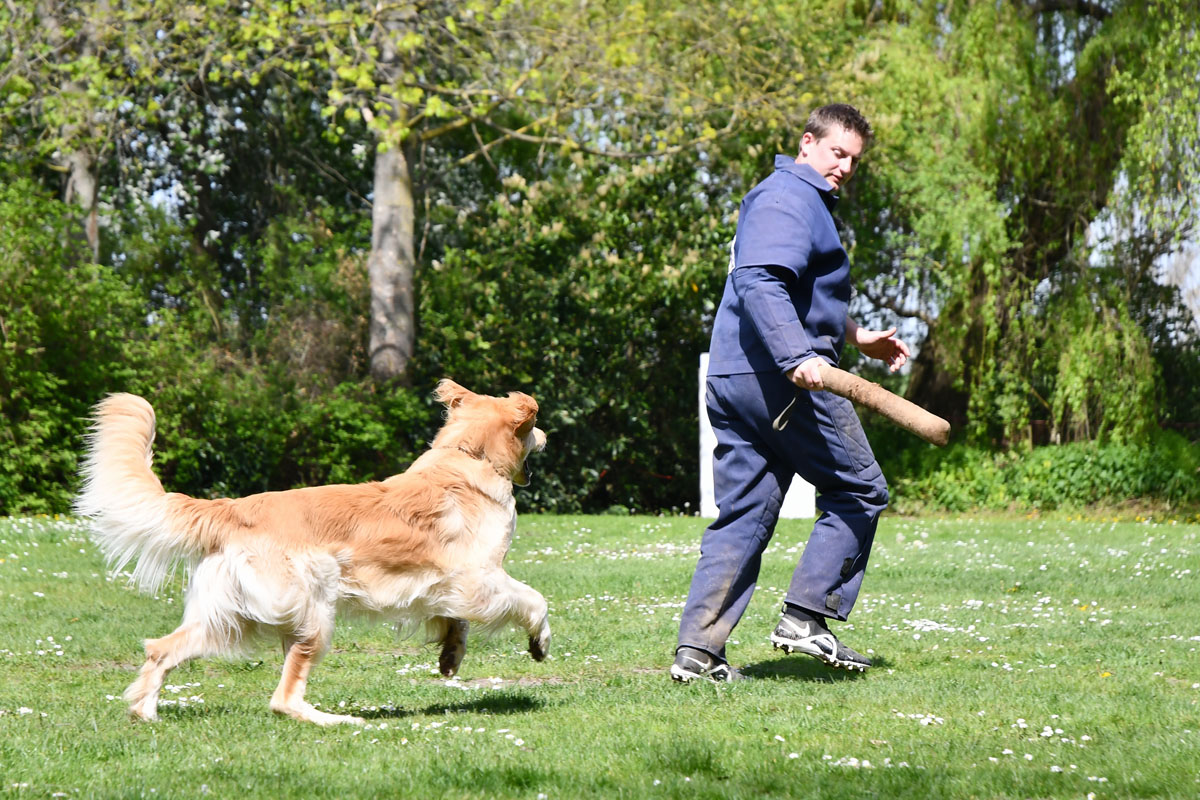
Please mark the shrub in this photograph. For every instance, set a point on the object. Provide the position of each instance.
(276, 412)
(1071, 476)
(65, 334)
(225, 434)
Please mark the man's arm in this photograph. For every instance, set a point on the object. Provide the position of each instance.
(764, 289)
(764, 295)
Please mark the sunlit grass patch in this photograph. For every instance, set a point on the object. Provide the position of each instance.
(1016, 657)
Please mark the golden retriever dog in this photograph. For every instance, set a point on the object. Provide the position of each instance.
(427, 545)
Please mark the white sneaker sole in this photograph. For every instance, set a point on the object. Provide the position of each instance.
(823, 647)
(683, 676)
(686, 676)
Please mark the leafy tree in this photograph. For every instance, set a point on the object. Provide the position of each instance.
(551, 187)
(621, 79)
(59, 94)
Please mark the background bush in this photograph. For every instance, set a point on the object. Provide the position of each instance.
(1165, 471)
(243, 405)
(572, 288)
(68, 328)
(579, 292)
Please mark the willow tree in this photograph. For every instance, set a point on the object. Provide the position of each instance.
(1011, 138)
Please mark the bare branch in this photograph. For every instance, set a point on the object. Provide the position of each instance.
(572, 144)
(1084, 8)
(483, 148)
(893, 305)
(333, 174)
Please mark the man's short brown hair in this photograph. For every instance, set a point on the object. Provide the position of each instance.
(838, 115)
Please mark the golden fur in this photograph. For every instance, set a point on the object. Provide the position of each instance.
(427, 545)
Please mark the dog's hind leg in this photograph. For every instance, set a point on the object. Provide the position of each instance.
(188, 641)
(452, 635)
(300, 655)
(211, 624)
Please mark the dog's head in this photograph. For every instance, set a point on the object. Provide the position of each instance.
(501, 430)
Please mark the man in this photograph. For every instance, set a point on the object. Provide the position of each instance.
(784, 310)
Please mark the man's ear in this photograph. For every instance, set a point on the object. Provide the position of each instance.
(450, 394)
(806, 141)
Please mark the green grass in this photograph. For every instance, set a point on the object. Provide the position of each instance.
(1024, 658)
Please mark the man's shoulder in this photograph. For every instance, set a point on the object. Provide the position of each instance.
(782, 188)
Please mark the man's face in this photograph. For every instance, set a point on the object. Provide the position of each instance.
(834, 156)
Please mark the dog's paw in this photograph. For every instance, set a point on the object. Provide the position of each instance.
(140, 715)
(539, 645)
(450, 659)
(305, 712)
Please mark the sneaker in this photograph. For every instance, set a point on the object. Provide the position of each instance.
(813, 637)
(691, 663)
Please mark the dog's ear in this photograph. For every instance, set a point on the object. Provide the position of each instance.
(525, 410)
(450, 394)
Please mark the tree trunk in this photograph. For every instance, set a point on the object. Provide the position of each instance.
(81, 189)
(391, 267)
(932, 384)
(80, 164)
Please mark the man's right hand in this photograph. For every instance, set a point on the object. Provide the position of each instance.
(807, 374)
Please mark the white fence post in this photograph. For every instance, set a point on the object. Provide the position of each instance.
(800, 501)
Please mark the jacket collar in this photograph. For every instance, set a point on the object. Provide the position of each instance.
(810, 176)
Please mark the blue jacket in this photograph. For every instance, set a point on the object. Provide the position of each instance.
(789, 284)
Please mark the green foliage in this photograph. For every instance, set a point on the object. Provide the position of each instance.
(273, 397)
(1106, 379)
(1162, 162)
(1162, 469)
(1181, 391)
(233, 156)
(1002, 130)
(253, 395)
(581, 293)
(227, 434)
(66, 335)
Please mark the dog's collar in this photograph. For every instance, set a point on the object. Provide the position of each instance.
(462, 449)
(476, 456)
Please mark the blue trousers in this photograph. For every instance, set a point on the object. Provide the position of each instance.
(753, 465)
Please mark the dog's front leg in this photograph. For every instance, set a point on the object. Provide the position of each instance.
(494, 600)
(530, 611)
(539, 642)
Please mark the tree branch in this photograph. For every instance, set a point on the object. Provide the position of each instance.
(572, 144)
(1082, 7)
(891, 304)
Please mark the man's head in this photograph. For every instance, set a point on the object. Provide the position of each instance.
(833, 141)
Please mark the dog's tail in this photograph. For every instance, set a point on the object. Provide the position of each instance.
(132, 515)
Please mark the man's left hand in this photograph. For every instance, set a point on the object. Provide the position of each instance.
(882, 345)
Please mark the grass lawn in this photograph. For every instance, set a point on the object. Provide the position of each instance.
(1023, 658)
